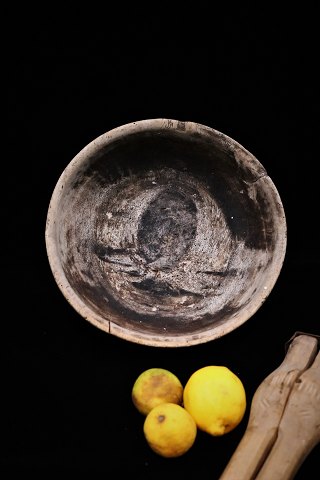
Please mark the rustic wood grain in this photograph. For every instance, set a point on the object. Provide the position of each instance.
(281, 399)
(165, 233)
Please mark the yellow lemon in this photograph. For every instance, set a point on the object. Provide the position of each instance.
(216, 399)
(170, 430)
(155, 386)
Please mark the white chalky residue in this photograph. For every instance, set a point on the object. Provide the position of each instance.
(199, 274)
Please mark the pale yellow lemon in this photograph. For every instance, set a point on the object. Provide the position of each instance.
(215, 397)
(155, 386)
(170, 430)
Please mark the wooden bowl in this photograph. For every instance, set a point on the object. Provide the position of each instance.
(165, 233)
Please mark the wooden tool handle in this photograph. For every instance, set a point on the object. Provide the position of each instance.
(267, 408)
(299, 429)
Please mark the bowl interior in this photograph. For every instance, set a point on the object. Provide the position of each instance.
(165, 233)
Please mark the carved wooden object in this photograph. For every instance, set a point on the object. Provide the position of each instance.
(284, 421)
(165, 233)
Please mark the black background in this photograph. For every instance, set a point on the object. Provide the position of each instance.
(66, 385)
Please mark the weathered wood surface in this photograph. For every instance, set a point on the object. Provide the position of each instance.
(299, 430)
(165, 233)
(284, 419)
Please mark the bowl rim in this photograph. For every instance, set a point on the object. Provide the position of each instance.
(132, 335)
